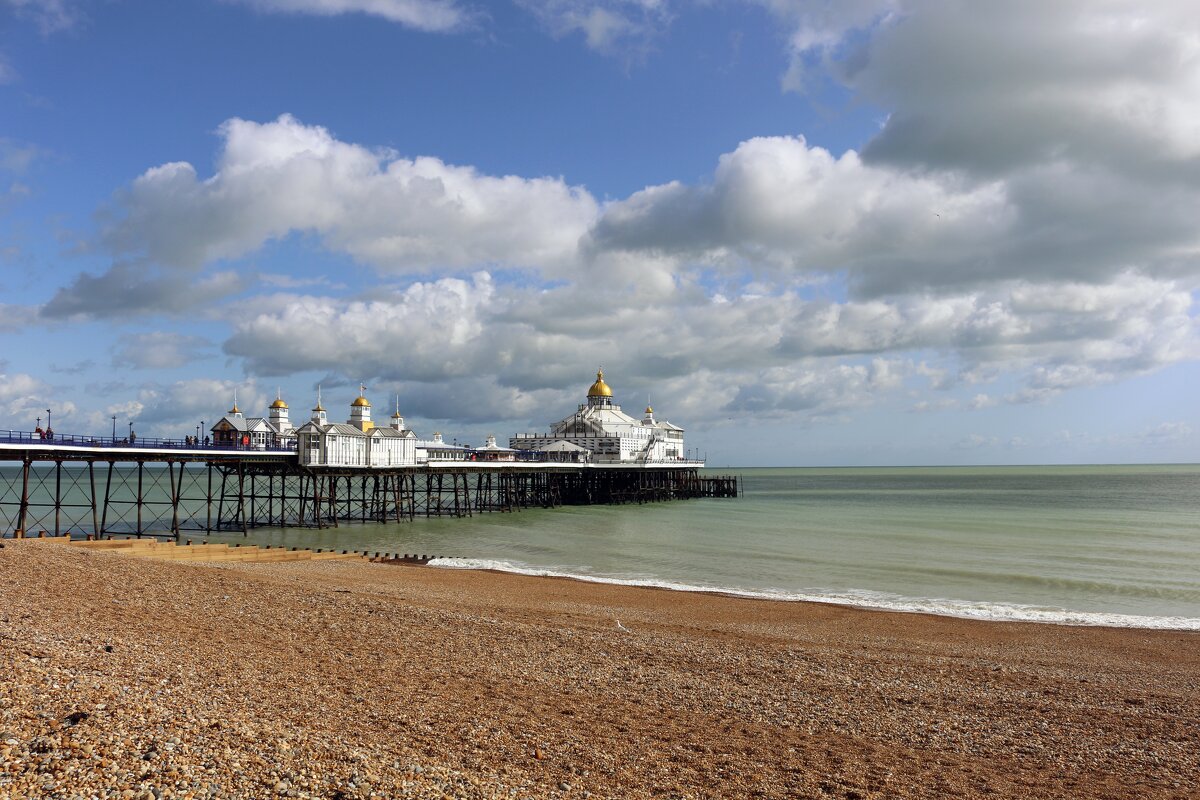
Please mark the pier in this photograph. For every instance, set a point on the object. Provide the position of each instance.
(168, 488)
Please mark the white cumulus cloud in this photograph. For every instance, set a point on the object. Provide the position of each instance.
(395, 213)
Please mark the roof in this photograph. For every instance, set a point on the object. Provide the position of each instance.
(430, 444)
(599, 388)
(392, 433)
(603, 419)
(561, 446)
(344, 429)
(332, 427)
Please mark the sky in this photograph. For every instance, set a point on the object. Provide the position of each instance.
(868, 232)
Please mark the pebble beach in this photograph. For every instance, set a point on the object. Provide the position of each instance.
(134, 678)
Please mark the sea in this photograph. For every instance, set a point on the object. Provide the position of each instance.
(1077, 545)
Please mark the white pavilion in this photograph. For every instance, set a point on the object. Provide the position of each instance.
(600, 432)
(356, 443)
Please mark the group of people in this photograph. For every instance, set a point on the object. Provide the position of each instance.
(46, 434)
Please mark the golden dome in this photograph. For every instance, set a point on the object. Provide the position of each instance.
(649, 410)
(361, 402)
(397, 415)
(278, 403)
(599, 388)
(235, 409)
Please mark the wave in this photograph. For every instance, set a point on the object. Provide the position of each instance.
(860, 598)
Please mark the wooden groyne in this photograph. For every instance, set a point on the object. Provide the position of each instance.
(172, 494)
(206, 552)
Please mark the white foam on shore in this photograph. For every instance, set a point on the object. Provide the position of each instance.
(966, 609)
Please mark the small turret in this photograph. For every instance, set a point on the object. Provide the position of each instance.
(279, 414)
(360, 411)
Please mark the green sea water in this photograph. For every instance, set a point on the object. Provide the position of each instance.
(1114, 545)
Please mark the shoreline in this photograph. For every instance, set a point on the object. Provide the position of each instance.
(351, 680)
(1089, 619)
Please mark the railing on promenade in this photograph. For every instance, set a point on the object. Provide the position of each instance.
(147, 442)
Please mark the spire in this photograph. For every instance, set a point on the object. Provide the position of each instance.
(237, 412)
(361, 400)
(318, 413)
(397, 420)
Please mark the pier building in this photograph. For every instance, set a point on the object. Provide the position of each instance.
(599, 432)
(494, 452)
(356, 443)
(438, 449)
(259, 433)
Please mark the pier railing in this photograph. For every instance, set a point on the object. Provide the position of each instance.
(144, 442)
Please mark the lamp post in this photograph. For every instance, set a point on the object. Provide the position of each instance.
(114, 417)
(201, 425)
(47, 418)
(129, 438)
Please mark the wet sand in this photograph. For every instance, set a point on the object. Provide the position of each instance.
(136, 678)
